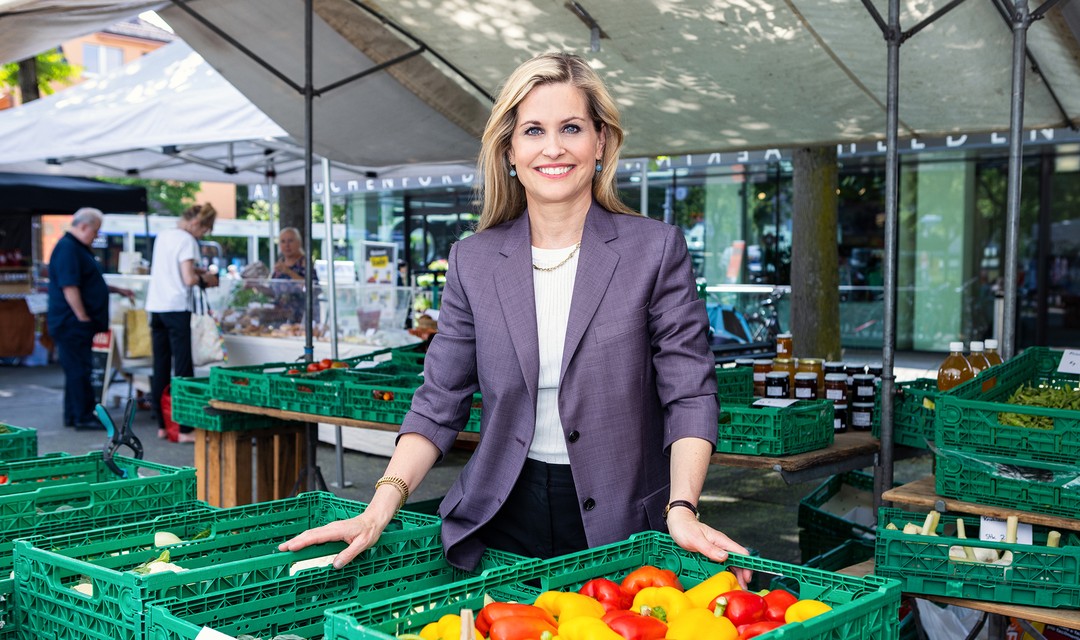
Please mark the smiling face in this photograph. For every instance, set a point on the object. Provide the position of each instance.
(555, 147)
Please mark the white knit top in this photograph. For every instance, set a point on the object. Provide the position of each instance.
(553, 291)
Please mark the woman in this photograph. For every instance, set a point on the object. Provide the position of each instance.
(578, 321)
(292, 265)
(173, 272)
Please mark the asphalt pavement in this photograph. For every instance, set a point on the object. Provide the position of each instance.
(755, 507)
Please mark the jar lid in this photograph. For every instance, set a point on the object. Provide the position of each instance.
(781, 360)
(777, 375)
(863, 406)
(783, 335)
(862, 376)
(812, 360)
(835, 363)
(762, 363)
(744, 361)
(835, 377)
(806, 375)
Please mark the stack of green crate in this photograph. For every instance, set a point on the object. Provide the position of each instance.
(17, 443)
(231, 564)
(63, 494)
(838, 510)
(1036, 574)
(1022, 457)
(864, 608)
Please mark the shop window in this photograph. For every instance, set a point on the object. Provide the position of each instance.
(99, 59)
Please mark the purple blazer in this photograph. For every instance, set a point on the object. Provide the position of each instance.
(637, 374)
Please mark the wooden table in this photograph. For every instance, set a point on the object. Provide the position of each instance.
(921, 493)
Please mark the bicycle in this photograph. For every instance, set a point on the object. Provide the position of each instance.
(764, 323)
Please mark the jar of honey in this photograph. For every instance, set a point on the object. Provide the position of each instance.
(761, 369)
(815, 366)
(784, 346)
(787, 365)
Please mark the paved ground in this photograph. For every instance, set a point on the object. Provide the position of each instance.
(754, 507)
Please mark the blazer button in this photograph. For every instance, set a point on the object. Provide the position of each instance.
(573, 437)
(589, 504)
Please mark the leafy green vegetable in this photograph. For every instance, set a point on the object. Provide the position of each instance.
(1047, 397)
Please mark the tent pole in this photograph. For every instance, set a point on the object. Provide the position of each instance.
(883, 476)
(309, 348)
(1021, 20)
(331, 278)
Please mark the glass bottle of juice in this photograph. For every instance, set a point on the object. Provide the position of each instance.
(955, 369)
(991, 352)
(977, 357)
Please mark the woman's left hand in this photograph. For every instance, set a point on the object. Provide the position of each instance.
(692, 535)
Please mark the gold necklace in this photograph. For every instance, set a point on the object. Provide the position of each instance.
(564, 260)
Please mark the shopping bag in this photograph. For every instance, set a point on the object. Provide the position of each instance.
(136, 334)
(207, 344)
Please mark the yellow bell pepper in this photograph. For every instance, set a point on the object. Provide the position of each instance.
(586, 628)
(567, 605)
(699, 624)
(707, 591)
(664, 603)
(447, 627)
(804, 610)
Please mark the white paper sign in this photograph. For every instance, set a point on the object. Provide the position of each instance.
(993, 530)
(1070, 361)
(774, 402)
(209, 634)
(37, 302)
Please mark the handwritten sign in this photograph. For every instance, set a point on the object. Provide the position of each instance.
(1070, 361)
(993, 530)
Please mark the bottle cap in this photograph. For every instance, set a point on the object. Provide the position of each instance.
(956, 346)
(976, 345)
(991, 343)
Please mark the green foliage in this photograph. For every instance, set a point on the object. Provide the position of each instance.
(166, 197)
(51, 67)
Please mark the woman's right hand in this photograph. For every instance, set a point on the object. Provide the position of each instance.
(359, 533)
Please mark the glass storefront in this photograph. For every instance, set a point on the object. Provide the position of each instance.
(735, 212)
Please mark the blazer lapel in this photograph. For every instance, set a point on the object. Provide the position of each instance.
(514, 285)
(596, 266)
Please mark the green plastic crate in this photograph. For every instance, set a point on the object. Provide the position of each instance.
(971, 421)
(248, 384)
(864, 608)
(845, 554)
(1040, 487)
(240, 552)
(913, 413)
(17, 443)
(1039, 576)
(296, 604)
(365, 400)
(734, 383)
(191, 396)
(822, 525)
(772, 431)
(320, 393)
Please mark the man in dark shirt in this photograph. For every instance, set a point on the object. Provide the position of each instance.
(78, 308)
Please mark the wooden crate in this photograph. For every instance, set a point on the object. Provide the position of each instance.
(235, 468)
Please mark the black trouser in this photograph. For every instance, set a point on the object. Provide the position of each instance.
(541, 517)
(75, 341)
(170, 334)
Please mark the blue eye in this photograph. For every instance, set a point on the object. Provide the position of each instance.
(534, 131)
(572, 128)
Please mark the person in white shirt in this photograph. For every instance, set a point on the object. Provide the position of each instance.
(173, 271)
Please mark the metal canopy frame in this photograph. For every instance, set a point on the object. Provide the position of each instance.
(1019, 20)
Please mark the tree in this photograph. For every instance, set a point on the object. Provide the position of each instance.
(166, 197)
(35, 76)
(815, 274)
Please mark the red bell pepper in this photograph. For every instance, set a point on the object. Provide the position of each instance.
(634, 626)
(756, 629)
(608, 593)
(741, 607)
(521, 628)
(649, 576)
(498, 610)
(778, 600)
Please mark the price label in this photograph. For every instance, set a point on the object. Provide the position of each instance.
(380, 261)
(774, 402)
(209, 634)
(993, 530)
(1070, 361)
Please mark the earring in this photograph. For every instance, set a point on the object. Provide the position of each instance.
(513, 171)
(599, 167)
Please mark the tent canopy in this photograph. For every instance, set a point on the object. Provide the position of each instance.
(23, 194)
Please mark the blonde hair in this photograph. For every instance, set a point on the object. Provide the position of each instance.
(202, 214)
(503, 197)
